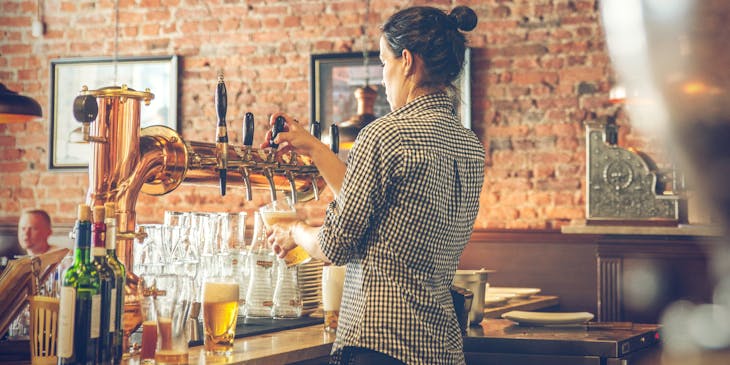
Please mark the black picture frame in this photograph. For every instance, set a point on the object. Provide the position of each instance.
(68, 75)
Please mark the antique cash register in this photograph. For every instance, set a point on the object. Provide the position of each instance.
(623, 186)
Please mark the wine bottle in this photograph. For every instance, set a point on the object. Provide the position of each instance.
(117, 306)
(107, 279)
(80, 305)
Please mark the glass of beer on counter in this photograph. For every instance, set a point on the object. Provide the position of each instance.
(220, 312)
(282, 212)
(333, 281)
(172, 296)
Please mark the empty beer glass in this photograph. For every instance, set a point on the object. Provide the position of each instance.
(173, 218)
(220, 311)
(260, 291)
(287, 298)
(282, 212)
(233, 235)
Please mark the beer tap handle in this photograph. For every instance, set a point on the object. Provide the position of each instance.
(335, 138)
(248, 126)
(276, 129)
(221, 106)
(315, 128)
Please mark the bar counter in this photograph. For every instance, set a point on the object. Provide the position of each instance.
(312, 345)
(309, 345)
(495, 340)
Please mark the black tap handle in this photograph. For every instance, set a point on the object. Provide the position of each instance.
(278, 127)
(221, 101)
(248, 129)
(335, 138)
(315, 128)
(221, 133)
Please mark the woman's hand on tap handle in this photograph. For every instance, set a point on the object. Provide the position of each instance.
(294, 137)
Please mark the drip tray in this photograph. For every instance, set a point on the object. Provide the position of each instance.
(257, 326)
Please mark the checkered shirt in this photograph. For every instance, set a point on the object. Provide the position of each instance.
(404, 213)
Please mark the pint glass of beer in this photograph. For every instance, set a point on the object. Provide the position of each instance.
(172, 295)
(282, 212)
(333, 281)
(220, 312)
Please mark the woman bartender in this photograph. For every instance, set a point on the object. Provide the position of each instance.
(405, 203)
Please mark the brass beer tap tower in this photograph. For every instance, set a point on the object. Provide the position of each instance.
(127, 160)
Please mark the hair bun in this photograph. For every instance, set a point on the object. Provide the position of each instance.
(464, 17)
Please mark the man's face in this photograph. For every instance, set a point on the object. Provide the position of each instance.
(33, 233)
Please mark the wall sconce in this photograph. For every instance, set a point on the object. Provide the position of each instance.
(16, 108)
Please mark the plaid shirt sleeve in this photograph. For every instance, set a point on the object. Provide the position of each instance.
(373, 164)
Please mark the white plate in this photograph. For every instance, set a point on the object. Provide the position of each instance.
(519, 293)
(495, 300)
(547, 318)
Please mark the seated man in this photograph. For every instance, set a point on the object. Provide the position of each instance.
(34, 228)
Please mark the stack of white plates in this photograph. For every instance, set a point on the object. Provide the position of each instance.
(310, 285)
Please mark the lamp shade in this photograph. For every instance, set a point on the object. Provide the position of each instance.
(16, 108)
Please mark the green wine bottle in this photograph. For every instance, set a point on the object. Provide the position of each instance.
(117, 306)
(80, 307)
(107, 278)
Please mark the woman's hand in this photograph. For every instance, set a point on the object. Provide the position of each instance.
(281, 239)
(298, 139)
(294, 137)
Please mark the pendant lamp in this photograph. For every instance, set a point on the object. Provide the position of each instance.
(16, 108)
(365, 96)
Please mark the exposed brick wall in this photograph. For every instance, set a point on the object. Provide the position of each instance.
(539, 71)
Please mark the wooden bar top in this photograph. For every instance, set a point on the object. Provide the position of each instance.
(283, 347)
(679, 230)
(312, 342)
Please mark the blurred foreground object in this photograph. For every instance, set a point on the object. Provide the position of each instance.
(674, 56)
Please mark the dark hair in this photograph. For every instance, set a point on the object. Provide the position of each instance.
(433, 35)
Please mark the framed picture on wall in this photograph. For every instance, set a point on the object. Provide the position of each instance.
(335, 76)
(68, 75)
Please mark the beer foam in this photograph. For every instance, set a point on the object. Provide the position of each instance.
(214, 292)
(333, 282)
(271, 218)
